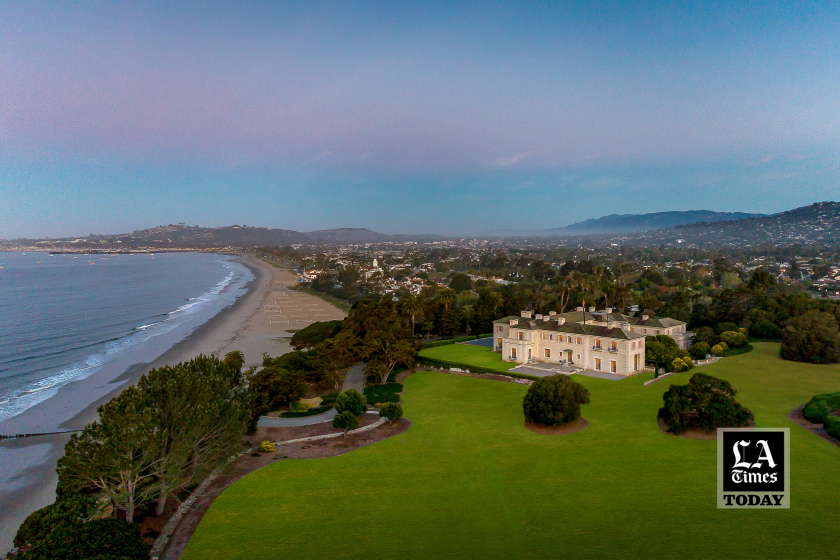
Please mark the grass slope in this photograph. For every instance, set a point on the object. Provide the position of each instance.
(468, 480)
(468, 355)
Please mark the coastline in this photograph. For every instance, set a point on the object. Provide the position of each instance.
(241, 326)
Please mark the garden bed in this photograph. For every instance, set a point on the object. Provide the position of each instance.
(796, 417)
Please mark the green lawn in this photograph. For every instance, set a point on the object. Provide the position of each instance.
(469, 481)
(468, 355)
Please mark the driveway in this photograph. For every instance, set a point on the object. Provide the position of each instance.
(355, 380)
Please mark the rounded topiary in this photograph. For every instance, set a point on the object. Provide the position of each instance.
(678, 365)
(688, 363)
(391, 411)
(351, 401)
(345, 421)
(554, 400)
(266, 447)
(820, 406)
(733, 339)
(717, 350)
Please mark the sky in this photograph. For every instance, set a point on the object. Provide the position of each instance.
(410, 117)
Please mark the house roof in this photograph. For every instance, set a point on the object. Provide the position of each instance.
(593, 329)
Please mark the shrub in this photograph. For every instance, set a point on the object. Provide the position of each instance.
(721, 328)
(812, 337)
(820, 406)
(304, 413)
(733, 339)
(266, 447)
(706, 403)
(688, 363)
(329, 398)
(351, 401)
(678, 365)
(765, 330)
(391, 411)
(384, 393)
(699, 350)
(345, 421)
(723, 345)
(717, 350)
(316, 332)
(832, 426)
(554, 400)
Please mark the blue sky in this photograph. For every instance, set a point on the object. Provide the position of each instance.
(415, 118)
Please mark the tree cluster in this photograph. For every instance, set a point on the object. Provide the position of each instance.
(705, 403)
(554, 400)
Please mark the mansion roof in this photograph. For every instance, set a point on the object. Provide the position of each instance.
(599, 323)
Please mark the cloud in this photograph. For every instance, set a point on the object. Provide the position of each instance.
(509, 162)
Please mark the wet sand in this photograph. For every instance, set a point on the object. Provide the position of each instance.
(257, 322)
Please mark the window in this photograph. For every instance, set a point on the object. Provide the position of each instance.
(632, 330)
(513, 353)
(500, 343)
(657, 331)
(614, 346)
(551, 337)
(578, 357)
(645, 331)
(570, 340)
(520, 336)
(598, 364)
(633, 346)
(597, 344)
(613, 366)
(578, 340)
(547, 353)
(499, 328)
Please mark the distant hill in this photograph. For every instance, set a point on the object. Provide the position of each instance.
(182, 236)
(629, 223)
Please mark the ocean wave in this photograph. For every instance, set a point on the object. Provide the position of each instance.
(19, 400)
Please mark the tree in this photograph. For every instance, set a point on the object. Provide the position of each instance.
(428, 326)
(376, 370)
(706, 403)
(733, 339)
(446, 297)
(315, 333)
(199, 413)
(351, 401)
(391, 411)
(114, 454)
(334, 355)
(80, 539)
(761, 279)
(460, 282)
(412, 306)
(554, 400)
(345, 421)
(275, 387)
(467, 315)
(765, 330)
(812, 337)
(235, 360)
(730, 281)
(699, 350)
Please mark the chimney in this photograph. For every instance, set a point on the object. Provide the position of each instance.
(561, 321)
(608, 310)
(644, 317)
(552, 313)
(526, 314)
(592, 309)
(539, 317)
(514, 322)
(578, 308)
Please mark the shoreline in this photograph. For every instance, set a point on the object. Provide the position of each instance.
(244, 325)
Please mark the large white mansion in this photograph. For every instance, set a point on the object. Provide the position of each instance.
(595, 340)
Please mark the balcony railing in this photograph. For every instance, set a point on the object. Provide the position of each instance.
(597, 348)
(613, 349)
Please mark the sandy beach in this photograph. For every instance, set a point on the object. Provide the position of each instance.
(257, 322)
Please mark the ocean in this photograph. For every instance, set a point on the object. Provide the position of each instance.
(66, 317)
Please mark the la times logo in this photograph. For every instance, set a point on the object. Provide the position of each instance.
(753, 468)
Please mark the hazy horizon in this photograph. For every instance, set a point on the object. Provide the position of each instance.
(410, 118)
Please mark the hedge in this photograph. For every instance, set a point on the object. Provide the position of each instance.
(832, 426)
(311, 412)
(444, 364)
(449, 341)
(820, 406)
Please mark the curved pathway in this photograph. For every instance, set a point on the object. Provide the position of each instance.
(355, 380)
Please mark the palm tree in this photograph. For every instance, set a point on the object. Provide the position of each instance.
(428, 326)
(412, 306)
(467, 314)
(447, 297)
(495, 300)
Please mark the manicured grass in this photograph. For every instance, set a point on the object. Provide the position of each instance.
(468, 480)
(468, 355)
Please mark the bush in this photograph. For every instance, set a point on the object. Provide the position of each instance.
(388, 393)
(316, 332)
(706, 403)
(304, 413)
(554, 400)
(345, 421)
(832, 426)
(820, 406)
(723, 345)
(391, 411)
(812, 337)
(688, 363)
(717, 350)
(266, 447)
(678, 365)
(351, 401)
(329, 398)
(699, 350)
(721, 328)
(765, 330)
(733, 339)
(449, 341)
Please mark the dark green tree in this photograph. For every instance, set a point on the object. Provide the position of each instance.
(315, 333)
(460, 282)
(351, 401)
(391, 411)
(345, 421)
(705, 403)
(554, 400)
(812, 337)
